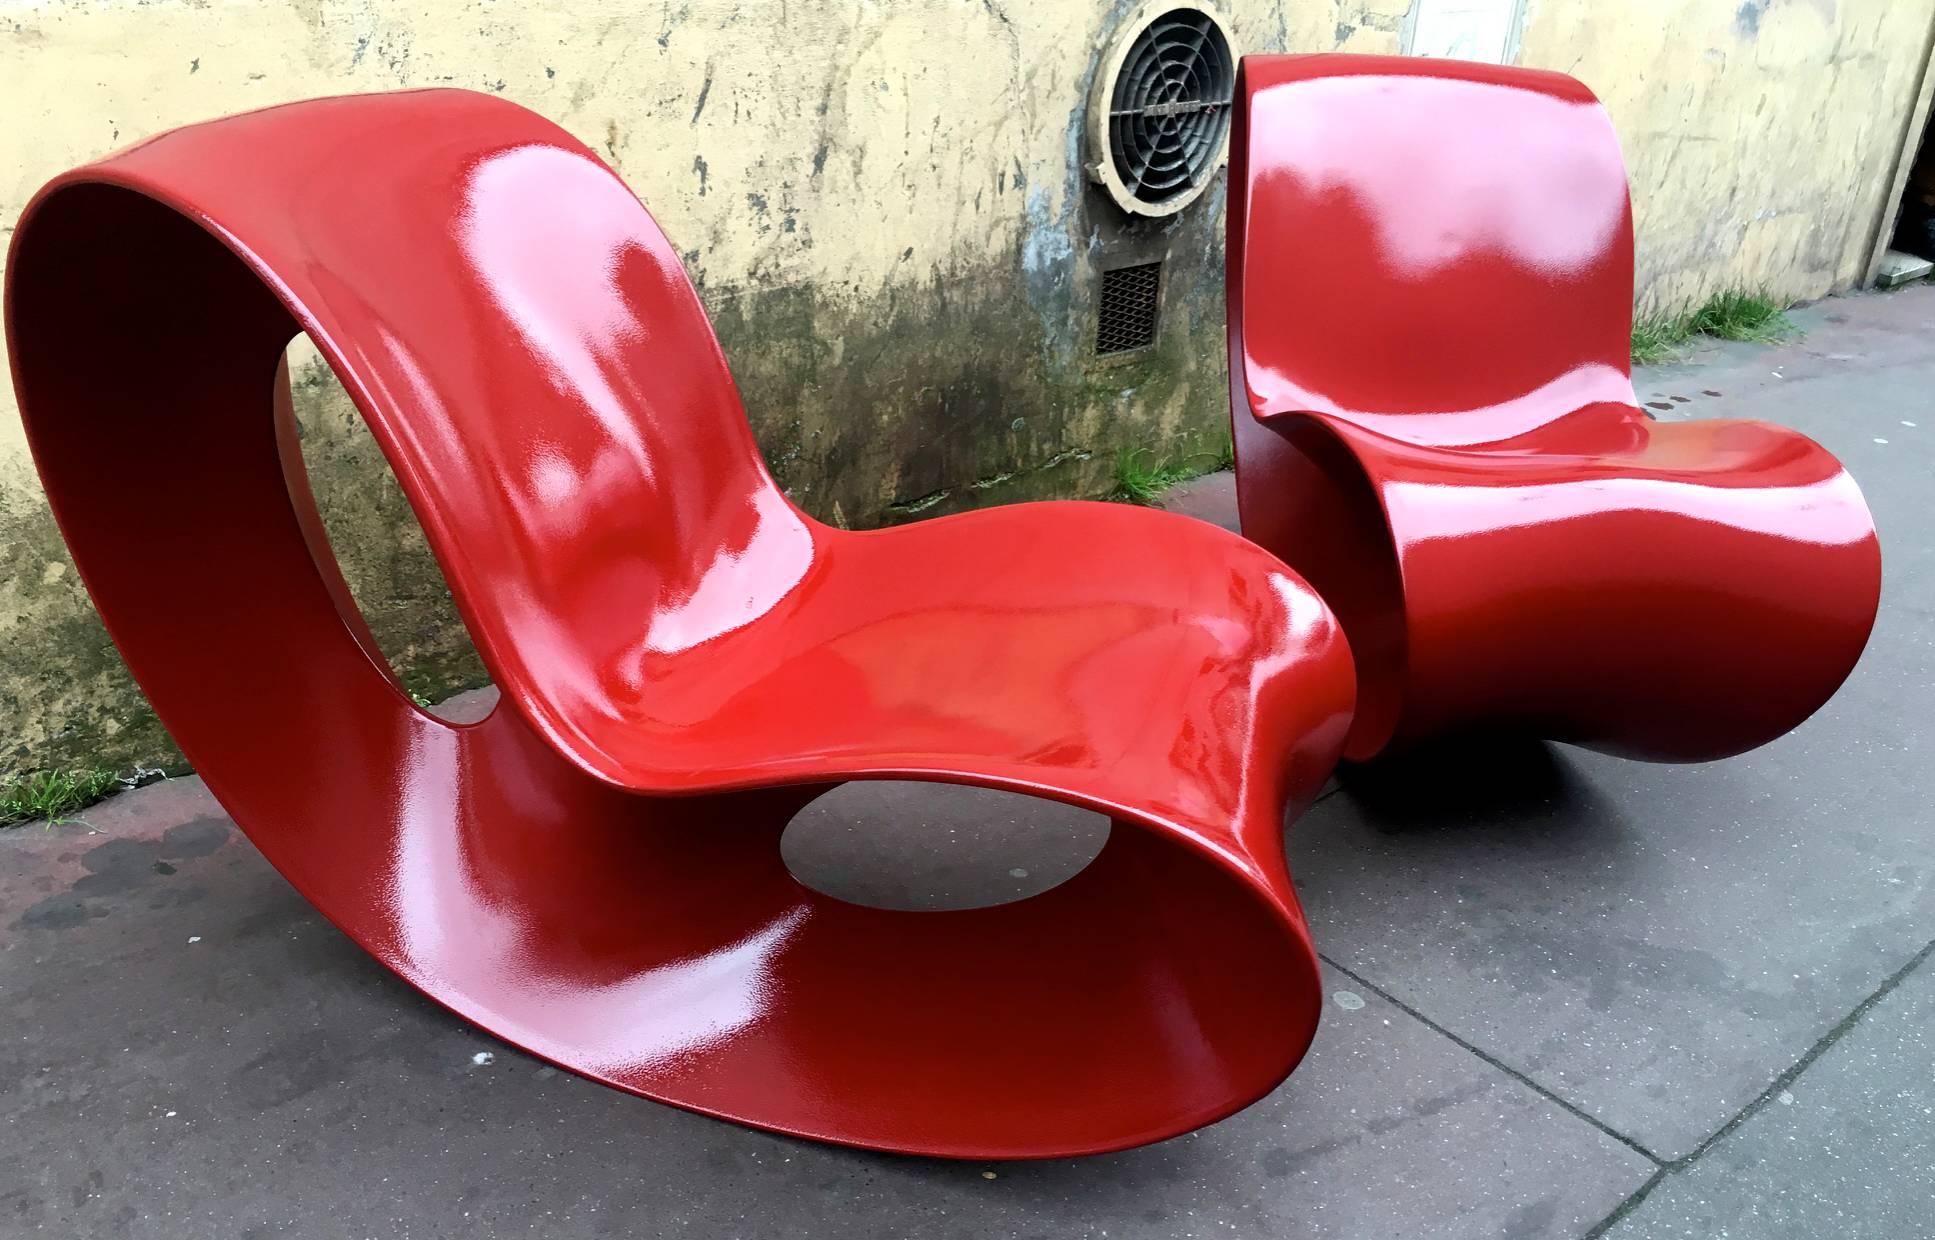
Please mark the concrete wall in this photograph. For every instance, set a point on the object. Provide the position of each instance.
(1761, 135)
(882, 205)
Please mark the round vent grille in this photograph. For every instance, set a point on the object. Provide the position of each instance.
(1159, 119)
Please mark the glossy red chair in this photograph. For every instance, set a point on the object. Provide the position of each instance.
(593, 872)
(1430, 311)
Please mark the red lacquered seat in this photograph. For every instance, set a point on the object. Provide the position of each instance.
(1430, 311)
(593, 872)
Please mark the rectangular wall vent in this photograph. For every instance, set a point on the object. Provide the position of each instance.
(1131, 297)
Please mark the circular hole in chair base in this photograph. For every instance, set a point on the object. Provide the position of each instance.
(926, 847)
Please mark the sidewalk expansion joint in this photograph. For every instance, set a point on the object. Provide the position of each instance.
(1767, 1096)
(1663, 1167)
(1495, 1062)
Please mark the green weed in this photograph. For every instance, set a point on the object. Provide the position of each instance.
(1732, 315)
(1142, 479)
(54, 795)
(1658, 337)
(1742, 316)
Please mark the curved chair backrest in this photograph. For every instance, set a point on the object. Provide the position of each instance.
(1426, 237)
(521, 337)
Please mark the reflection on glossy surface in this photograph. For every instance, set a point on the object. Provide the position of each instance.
(662, 621)
(1431, 277)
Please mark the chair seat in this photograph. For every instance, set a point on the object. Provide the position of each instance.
(1604, 449)
(1620, 582)
(1105, 652)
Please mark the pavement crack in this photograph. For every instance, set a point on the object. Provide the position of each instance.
(1664, 1167)
(1813, 1053)
(1629, 1205)
(1494, 1061)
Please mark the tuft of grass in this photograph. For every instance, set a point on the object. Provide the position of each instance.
(54, 795)
(1142, 479)
(1658, 337)
(1137, 482)
(1742, 316)
(1731, 315)
(1225, 454)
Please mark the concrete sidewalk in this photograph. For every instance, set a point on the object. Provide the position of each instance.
(1571, 995)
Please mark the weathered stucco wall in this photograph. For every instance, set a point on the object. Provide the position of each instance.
(1761, 135)
(882, 205)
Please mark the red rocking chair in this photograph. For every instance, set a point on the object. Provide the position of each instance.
(593, 872)
(1430, 310)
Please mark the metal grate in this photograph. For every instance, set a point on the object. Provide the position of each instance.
(1171, 106)
(1127, 319)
